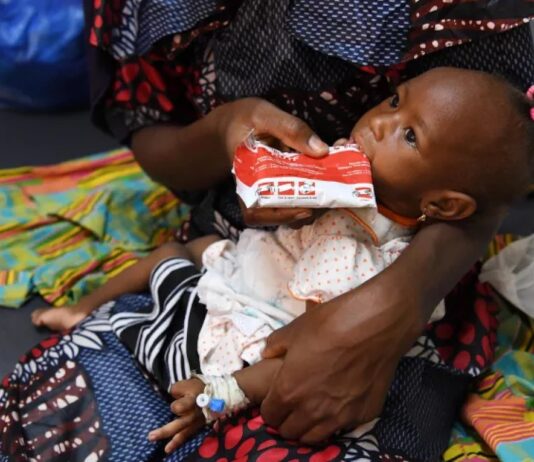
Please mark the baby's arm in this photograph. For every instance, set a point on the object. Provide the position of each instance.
(131, 280)
(254, 381)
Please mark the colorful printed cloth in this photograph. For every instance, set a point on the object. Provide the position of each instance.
(414, 426)
(82, 396)
(65, 229)
(46, 407)
(158, 61)
(497, 420)
(363, 32)
(237, 49)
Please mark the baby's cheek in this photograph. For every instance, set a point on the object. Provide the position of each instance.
(396, 177)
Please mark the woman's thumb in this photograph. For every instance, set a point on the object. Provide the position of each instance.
(291, 130)
(276, 345)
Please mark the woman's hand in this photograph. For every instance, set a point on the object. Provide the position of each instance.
(295, 217)
(198, 156)
(340, 357)
(236, 120)
(339, 360)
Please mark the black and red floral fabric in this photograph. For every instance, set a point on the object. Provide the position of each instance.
(82, 396)
(150, 65)
(216, 59)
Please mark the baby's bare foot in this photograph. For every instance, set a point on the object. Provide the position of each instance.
(58, 319)
(190, 418)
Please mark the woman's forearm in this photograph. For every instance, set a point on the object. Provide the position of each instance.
(440, 255)
(183, 158)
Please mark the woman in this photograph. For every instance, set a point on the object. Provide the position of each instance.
(174, 79)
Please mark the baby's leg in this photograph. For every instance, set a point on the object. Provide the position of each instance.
(254, 381)
(196, 247)
(131, 280)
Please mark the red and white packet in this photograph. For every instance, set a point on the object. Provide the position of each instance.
(267, 177)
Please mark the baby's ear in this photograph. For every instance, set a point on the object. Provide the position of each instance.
(447, 205)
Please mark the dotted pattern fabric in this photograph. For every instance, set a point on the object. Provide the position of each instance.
(363, 31)
(144, 23)
(359, 31)
(510, 55)
(257, 52)
(126, 403)
(158, 17)
(412, 422)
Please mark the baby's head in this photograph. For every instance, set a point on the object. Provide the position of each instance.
(449, 142)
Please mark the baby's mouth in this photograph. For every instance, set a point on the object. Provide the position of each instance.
(359, 139)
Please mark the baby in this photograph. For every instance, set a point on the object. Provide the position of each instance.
(449, 144)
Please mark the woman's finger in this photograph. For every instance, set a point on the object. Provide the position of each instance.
(320, 432)
(256, 216)
(295, 425)
(275, 216)
(277, 343)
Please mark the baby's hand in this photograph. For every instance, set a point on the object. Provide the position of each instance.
(190, 418)
(58, 319)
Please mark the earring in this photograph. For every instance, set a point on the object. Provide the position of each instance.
(422, 218)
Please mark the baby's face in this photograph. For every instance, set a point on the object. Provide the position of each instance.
(415, 138)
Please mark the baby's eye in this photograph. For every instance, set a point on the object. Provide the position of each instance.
(411, 139)
(394, 101)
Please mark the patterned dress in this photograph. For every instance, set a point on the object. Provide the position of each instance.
(149, 69)
(81, 396)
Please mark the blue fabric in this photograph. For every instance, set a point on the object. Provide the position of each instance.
(42, 54)
(364, 32)
(110, 418)
(144, 22)
(359, 31)
(108, 370)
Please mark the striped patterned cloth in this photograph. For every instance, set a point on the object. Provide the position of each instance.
(497, 421)
(65, 229)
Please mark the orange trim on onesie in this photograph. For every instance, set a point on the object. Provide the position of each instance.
(303, 299)
(407, 222)
(364, 225)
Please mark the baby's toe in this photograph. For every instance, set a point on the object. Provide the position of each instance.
(37, 316)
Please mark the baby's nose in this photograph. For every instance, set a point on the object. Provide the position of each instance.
(379, 125)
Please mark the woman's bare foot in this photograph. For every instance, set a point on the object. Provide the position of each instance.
(58, 319)
(190, 418)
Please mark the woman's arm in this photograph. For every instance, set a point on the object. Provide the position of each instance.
(182, 158)
(199, 155)
(340, 378)
(445, 251)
